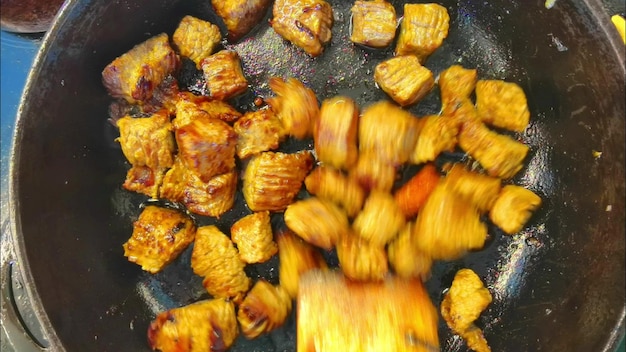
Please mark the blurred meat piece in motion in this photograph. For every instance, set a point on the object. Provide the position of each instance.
(373, 23)
(380, 220)
(272, 180)
(335, 135)
(240, 16)
(513, 207)
(207, 325)
(361, 260)
(456, 84)
(190, 107)
(406, 260)
(328, 183)
(462, 305)
(136, 74)
(159, 236)
(370, 172)
(335, 314)
(317, 221)
(258, 131)
(502, 104)
(254, 237)
(423, 29)
(295, 105)
(481, 190)
(215, 258)
(196, 39)
(437, 134)
(305, 23)
(265, 308)
(296, 258)
(223, 74)
(404, 79)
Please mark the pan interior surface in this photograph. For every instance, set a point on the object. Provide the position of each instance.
(558, 285)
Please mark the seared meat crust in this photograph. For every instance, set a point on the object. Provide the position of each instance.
(423, 29)
(305, 23)
(404, 79)
(224, 75)
(196, 38)
(265, 308)
(254, 237)
(373, 23)
(240, 16)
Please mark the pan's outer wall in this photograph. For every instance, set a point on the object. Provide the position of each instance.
(70, 233)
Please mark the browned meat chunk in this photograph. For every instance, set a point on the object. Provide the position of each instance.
(335, 135)
(272, 179)
(405, 259)
(513, 207)
(159, 236)
(265, 308)
(134, 75)
(502, 104)
(296, 258)
(258, 131)
(208, 325)
(319, 222)
(423, 29)
(437, 134)
(456, 84)
(404, 79)
(502, 156)
(196, 38)
(380, 220)
(305, 23)
(388, 131)
(295, 105)
(331, 184)
(372, 173)
(482, 190)
(373, 23)
(207, 146)
(338, 314)
(360, 259)
(144, 180)
(463, 304)
(190, 107)
(223, 74)
(215, 258)
(254, 237)
(448, 225)
(212, 198)
(240, 16)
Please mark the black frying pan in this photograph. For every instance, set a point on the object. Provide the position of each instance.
(557, 286)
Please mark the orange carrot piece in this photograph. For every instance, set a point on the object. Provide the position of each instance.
(413, 194)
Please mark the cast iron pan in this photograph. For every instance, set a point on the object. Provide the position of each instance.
(558, 285)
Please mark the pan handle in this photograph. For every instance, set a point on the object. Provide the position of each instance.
(15, 331)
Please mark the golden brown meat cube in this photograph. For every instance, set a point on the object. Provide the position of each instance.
(380, 220)
(328, 183)
(224, 75)
(196, 38)
(463, 304)
(207, 146)
(207, 325)
(389, 131)
(373, 173)
(144, 180)
(272, 180)
(190, 107)
(265, 308)
(373, 23)
(404, 79)
(295, 105)
(305, 23)
(159, 236)
(513, 207)
(501, 155)
(317, 221)
(482, 190)
(502, 104)
(212, 198)
(254, 237)
(336, 132)
(240, 16)
(258, 131)
(215, 258)
(134, 75)
(437, 134)
(296, 258)
(360, 259)
(423, 29)
(448, 225)
(147, 141)
(456, 84)
(405, 259)
(338, 314)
